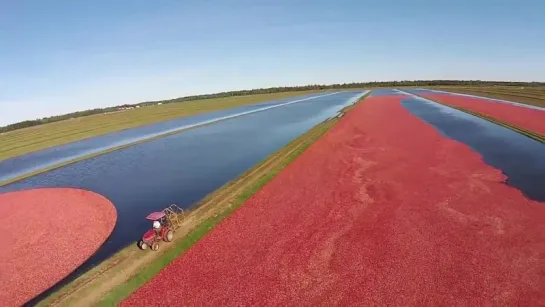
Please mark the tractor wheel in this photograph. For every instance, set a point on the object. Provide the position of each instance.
(169, 235)
(142, 245)
(155, 246)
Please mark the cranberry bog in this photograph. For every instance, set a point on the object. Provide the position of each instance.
(46, 234)
(531, 119)
(382, 210)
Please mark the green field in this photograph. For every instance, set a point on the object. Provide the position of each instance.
(23, 141)
(532, 95)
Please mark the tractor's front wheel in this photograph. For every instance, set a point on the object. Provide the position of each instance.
(155, 246)
(169, 235)
(142, 245)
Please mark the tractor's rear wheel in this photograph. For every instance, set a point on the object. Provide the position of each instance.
(155, 246)
(142, 245)
(169, 235)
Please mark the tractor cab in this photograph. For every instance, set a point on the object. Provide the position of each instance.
(166, 222)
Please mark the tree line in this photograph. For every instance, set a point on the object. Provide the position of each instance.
(45, 120)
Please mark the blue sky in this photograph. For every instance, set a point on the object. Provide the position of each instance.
(60, 56)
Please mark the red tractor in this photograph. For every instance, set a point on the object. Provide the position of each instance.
(165, 224)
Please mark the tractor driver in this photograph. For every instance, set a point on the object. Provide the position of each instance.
(157, 227)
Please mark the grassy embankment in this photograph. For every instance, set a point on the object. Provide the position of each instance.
(531, 134)
(26, 140)
(116, 278)
(22, 141)
(527, 95)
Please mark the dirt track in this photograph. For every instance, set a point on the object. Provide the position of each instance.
(47, 234)
(381, 211)
(530, 119)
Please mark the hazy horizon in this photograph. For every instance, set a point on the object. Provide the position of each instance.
(208, 93)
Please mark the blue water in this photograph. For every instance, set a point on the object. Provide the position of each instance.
(28, 163)
(183, 168)
(384, 92)
(520, 158)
